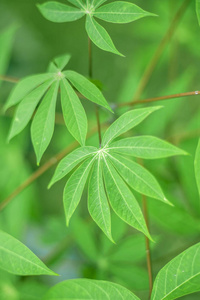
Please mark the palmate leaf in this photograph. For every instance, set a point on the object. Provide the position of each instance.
(73, 112)
(120, 12)
(116, 12)
(62, 60)
(126, 122)
(147, 147)
(122, 200)
(74, 188)
(58, 12)
(99, 36)
(97, 201)
(17, 259)
(82, 289)
(87, 88)
(179, 277)
(71, 161)
(44, 121)
(26, 108)
(197, 166)
(138, 177)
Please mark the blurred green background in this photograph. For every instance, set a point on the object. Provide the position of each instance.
(36, 217)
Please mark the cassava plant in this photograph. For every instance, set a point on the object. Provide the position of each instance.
(129, 160)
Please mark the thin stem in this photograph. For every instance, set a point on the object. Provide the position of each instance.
(155, 99)
(90, 67)
(8, 79)
(147, 244)
(54, 160)
(159, 51)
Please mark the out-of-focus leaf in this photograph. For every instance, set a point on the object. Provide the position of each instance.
(197, 166)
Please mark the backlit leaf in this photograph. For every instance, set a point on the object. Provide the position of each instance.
(87, 88)
(24, 87)
(179, 277)
(62, 61)
(120, 12)
(71, 161)
(26, 108)
(97, 3)
(59, 12)
(74, 188)
(147, 147)
(97, 201)
(122, 200)
(73, 112)
(126, 122)
(82, 289)
(17, 259)
(44, 121)
(99, 36)
(138, 177)
(77, 3)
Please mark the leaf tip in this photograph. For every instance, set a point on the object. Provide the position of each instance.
(168, 202)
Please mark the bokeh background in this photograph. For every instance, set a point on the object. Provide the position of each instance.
(36, 217)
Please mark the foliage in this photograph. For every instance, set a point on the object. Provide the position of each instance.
(127, 157)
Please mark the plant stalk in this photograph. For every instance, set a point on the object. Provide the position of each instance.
(90, 68)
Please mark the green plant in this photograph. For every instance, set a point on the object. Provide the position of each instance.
(115, 169)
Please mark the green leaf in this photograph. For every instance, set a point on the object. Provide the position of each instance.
(73, 112)
(82, 289)
(122, 200)
(99, 36)
(197, 166)
(74, 188)
(24, 87)
(147, 147)
(71, 161)
(97, 3)
(179, 277)
(58, 12)
(198, 10)
(138, 177)
(77, 3)
(17, 259)
(126, 122)
(62, 61)
(97, 201)
(44, 121)
(87, 88)
(120, 12)
(26, 108)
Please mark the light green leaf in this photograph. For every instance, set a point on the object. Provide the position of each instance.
(73, 112)
(17, 259)
(97, 3)
(179, 277)
(44, 121)
(87, 88)
(138, 177)
(26, 108)
(82, 289)
(24, 87)
(6, 43)
(97, 201)
(198, 10)
(59, 13)
(197, 166)
(77, 3)
(147, 147)
(122, 200)
(74, 188)
(99, 36)
(71, 161)
(120, 12)
(126, 122)
(62, 61)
